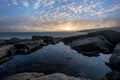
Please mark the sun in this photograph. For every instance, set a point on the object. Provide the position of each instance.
(67, 28)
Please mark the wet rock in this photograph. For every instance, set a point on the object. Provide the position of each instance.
(24, 76)
(27, 46)
(114, 61)
(111, 35)
(58, 76)
(91, 46)
(112, 76)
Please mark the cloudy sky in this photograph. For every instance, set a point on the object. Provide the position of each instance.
(58, 15)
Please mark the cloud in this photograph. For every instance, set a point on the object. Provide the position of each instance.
(37, 4)
(113, 8)
(48, 2)
(25, 3)
(15, 2)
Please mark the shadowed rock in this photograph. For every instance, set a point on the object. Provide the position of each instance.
(114, 61)
(112, 76)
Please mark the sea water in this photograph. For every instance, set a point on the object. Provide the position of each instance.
(58, 58)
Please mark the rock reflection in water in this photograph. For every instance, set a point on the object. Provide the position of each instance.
(57, 58)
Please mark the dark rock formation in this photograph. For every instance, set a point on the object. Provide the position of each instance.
(46, 39)
(114, 64)
(114, 61)
(14, 40)
(112, 76)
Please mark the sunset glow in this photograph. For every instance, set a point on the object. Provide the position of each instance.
(68, 28)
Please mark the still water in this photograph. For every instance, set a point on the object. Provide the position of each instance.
(57, 58)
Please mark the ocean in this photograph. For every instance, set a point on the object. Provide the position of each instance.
(28, 35)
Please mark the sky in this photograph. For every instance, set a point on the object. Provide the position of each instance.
(58, 15)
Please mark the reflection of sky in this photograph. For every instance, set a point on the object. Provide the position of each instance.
(57, 58)
(48, 15)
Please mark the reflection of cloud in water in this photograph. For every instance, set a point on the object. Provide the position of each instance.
(57, 58)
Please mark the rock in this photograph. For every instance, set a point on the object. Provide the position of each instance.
(46, 39)
(14, 40)
(24, 76)
(117, 49)
(111, 35)
(27, 46)
(4, 50)
(114, 61)
(58, 76)
(41, 76)
(2, 41)
(92, 45)
(112, 76)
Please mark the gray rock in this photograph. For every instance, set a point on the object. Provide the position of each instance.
(58, 76)
(4, 50)
(93, 44)
(23, 76)
(41, 76)
(117, 49)
(111, 35)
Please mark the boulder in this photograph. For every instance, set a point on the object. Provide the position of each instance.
(114, 61)
(92, 45)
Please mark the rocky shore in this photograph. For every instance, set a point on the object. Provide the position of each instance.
(15, 46)
(41, 76)
(106, 42)
(91, 44)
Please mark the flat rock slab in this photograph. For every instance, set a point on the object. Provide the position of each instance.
(41, 76)
(58, 76)
(24, 76)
